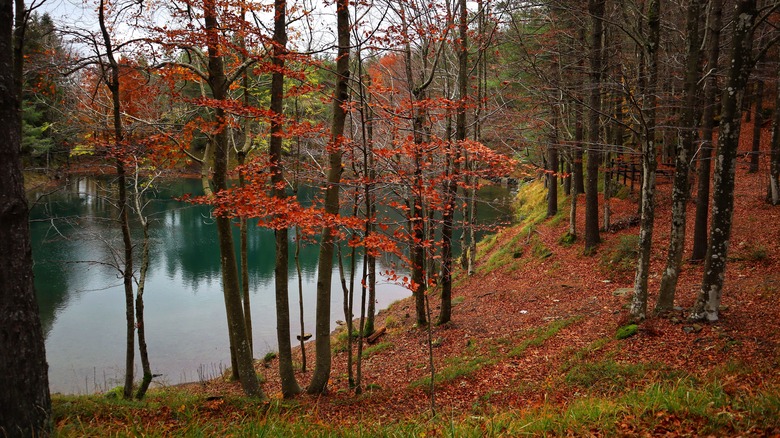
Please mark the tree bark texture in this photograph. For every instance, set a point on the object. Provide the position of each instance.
(680, 188)
(552, 168)
(774, 165)
(592, 238)
(639, 302)
(286, 372)
(704, 170)
(139, 307)
(319, 382)
(25, 404)
(451, 184)
(758, 120)
(230, 283)
(709, 296)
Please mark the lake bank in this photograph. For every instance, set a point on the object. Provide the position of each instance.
(81, 299)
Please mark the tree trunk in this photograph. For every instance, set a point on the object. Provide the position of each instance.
(290, 386)
(578, 179)
(451, 184)
(347, 307)
(25, 404)
(709, 296)
(708, 124)
(639, 301)
(139, 306)
(244, 262)
(774, 167)
(758, 120)
(319, 382)
(592, 238)
(112, 82)
(230, 284)
(552, 165)
(680, 190)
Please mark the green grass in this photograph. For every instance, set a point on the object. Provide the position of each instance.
(505, 255)
(340, 340)
(530, 205)
(604, 377)
(486, 245)
(588, 351)
(620, 260)
(660, 403)
(374, 349)
(539, 249)
(530, 209)
(454, 368)
(539, 335)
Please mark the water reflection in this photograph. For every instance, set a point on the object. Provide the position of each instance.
(74, 238)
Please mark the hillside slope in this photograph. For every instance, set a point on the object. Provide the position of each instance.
(532, 348)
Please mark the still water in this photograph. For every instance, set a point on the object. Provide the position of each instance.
(82, 301)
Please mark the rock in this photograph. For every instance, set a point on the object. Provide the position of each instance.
(723, 308)
(623, 291)
(677, 309)
(675, 320)
(696, 328)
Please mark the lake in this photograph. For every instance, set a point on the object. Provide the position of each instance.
(82, 300)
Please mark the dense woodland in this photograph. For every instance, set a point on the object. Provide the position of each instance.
(401, 103)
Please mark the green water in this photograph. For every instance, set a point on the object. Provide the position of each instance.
(82, 301)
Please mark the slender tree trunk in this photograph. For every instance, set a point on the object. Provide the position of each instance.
(230, 283)
(25, 404)
(639, 301)
(417, 217)
(758, 120)
(774, 167)
(243, 231)
(418, 232)
(680, 190)
(319, 382)
(143, 350)
(577, 172)
(552, 164)
(347, 307)
(244, 251)
(139, 308)
(299, 274)
(281, 271)
(709, 296)
(451, 185)
(301, 309)
(708, 124)
(112, 82)
(362, 330)
(368, 285)
(592, 238)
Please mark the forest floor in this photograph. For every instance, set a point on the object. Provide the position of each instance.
(531, 349)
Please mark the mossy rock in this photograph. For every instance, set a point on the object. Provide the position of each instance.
(627, 331)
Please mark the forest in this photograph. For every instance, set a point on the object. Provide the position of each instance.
(630, 294)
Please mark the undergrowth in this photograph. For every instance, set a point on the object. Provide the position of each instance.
(538, 336)
(676, 406)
